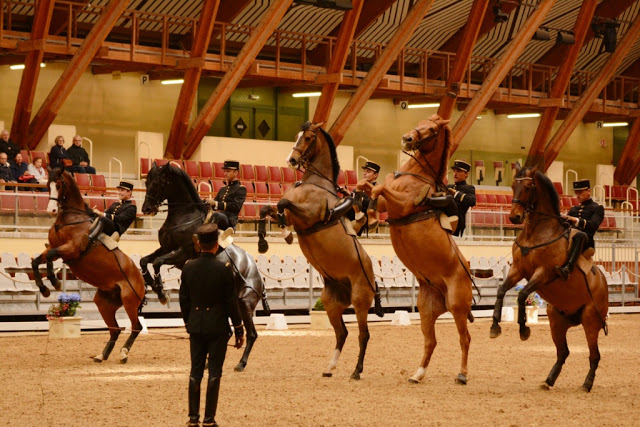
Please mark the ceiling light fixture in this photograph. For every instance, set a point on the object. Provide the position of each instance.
(499, 16)
(614, 124)
(21, 66)
(172, 82)
(306, 94)
(565, 37)
(522, 115)
(432, 105)
(542, 34)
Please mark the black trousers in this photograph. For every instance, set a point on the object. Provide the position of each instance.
(221, 220)
(110, 227)
(215, 346)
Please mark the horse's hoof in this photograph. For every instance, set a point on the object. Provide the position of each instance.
(545, 386)
(263, 246)
(289, 238)
(97, 359)
(525, 333)
(55, 283)
(163, 299)
(124, 360)
(239, 368)
(355, 376)
(586, 388)
(461, 379)
(45, 291)
(413, 381)
(327, 374)
(495, 332)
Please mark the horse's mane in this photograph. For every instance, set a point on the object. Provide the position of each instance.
(444, 163)
(547, 186)
(188, 184)
(68, 178)
(335, 164)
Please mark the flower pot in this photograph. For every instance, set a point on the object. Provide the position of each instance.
(319, 320)
(64, 327)
(530, 311)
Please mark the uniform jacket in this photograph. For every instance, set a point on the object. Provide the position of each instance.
(590, 216)
(58, 152)
(208, 297)
(122, 214)
(465, 198)
(10, 148)
(230, 199)
(78, 154)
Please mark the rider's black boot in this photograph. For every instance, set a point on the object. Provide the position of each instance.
(93, 234)
(574, 252)
(211, 404)
(194, 402)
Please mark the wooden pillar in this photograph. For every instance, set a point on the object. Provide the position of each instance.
(79, 63)
(338, 59)
(234, 75)
(629, 163)
(180, 124)
(583, 104)
(379, 69)
(498, 73)
(580, 29)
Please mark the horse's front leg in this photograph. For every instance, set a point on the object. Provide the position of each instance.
(539, 277)
(35, 267)
(513, 277)
(271, 211)
(48, 256)
(144, 263)
(176, 257)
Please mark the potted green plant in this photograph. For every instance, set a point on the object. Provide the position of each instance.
(63, 322)
(318, 316)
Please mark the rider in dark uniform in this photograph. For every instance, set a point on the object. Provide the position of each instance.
(230, 198)
(361, 219)
(118, 217)
(586, 217)
(463, 194)
(207, 300)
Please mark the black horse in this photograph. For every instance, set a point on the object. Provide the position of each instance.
(186, 212)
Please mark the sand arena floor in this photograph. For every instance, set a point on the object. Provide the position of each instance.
(54, 383)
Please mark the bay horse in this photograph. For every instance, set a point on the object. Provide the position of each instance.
(312, 208)
(116, 276)
(410, 197)
(185, 213)
(583, 299)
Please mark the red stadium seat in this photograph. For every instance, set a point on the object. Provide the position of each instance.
(95, 201)
(275, 191)
(501, 199)
(286, 186)
(249, 212)
(288, 175)
(218, 171)
(7, 202)
(262, 174)
(617, 193)
(492, 201)
(99, 181)
(299, 175)
(262, 191)
(251, 193)
(177, 163)
(481, 200)
(217, 185)
(204, 186)
(247, 172)
(342, 178)
(40, 154)
(275, 175)
(191, 168)
(206, 171)
(574, 201)
(145, 165)
(25, 156)
(160, 162)
(558, 187)
(352, 178)
(509, 198)
(82, 179)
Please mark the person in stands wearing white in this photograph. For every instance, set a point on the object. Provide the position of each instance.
(38, 172)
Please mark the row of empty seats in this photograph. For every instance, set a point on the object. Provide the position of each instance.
(500, 220)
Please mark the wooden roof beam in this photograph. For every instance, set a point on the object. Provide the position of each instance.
(498, 73)
(379, 68)
(234, 75)
(583, 104)
(31, 72)
(338, 59)
(77, 66)
(630, 159)
(463, 56)
(559, 85)
(180, 124)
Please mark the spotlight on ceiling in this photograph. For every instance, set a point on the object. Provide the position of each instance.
(606, 29)
(499, 16)
(542, 34)
(565, 37)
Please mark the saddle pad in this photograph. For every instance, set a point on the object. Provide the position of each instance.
(107, 241)
(449, 223)
(585, 260)
(348, 227)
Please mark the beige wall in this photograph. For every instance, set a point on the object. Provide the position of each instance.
(111, 112)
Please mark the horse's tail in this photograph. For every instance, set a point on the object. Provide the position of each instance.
(377, 307)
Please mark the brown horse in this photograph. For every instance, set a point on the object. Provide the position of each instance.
(117, 278)
(313, 208)
(410, 196)
(541, 245)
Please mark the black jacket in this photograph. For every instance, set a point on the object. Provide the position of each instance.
(591, 215)
(230, 199)
(78, 154)
(122, 214)
(11, 149)
(465, 198)
(208, 297)
(18, 171)
(58, 152)
(6, 173)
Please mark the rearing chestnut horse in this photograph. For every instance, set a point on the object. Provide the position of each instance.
(419, 239)
(312, 206)
(117, 278)
(542, 244)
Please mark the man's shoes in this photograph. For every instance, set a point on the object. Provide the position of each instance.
(562, 272)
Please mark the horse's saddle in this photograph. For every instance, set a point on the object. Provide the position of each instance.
(449, 223)
(585, 260)
(109, 242)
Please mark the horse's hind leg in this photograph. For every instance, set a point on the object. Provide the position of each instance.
(246, 311)
(430, 305)
(131, 303)
(362, 296)
(334, 310)
(107, 306)
(559, 327)
(592, 324)
(460, 316)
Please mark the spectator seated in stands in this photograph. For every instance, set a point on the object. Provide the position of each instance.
(59, 156)
(38, 172)
(21, 172)
(7, 146)
(6, 174)
(79, 157)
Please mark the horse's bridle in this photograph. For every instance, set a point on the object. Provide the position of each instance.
(524, 203)
(304, 159)
(434, 134)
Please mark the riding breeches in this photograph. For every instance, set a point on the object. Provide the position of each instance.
(109, 227)
(215, 346)
(221, 220)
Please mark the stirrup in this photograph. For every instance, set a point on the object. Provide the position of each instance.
(562, 272)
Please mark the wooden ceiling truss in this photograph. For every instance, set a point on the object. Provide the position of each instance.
(629, 163)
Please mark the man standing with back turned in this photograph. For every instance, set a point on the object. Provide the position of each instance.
(207, 300)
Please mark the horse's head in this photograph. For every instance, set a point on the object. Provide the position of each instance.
(59, 185)
(306, 145)
(524, 193)
(426, 131)
(156, 184)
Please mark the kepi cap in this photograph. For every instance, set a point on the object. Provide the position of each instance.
(208, 233)
(462, 165)
(582, 184)
(231, 164)
(372, 166)
(126, 185)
